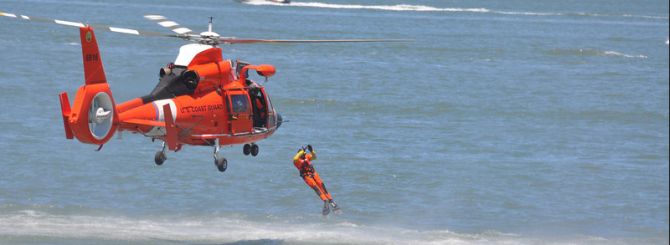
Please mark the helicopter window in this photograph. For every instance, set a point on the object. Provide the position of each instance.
(240, 103)
(269, 102)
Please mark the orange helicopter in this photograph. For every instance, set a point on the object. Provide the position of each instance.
(201, 99)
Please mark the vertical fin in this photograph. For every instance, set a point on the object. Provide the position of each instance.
(65, 110)
(93, 70)
(170, 128)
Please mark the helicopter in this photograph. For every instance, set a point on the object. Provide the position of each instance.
(201, 98)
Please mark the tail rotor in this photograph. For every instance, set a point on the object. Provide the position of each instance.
(101, 115)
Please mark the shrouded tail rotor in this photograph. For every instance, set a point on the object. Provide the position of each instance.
(92, 118)
(101, 115)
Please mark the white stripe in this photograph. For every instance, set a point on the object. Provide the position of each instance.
(25, 17)
(68, 23)
(182, 30)
(124, 30)
(168, 23)
(159, 105)
(154, 17)
(8, 15)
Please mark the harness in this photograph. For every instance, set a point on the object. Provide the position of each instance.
(306, 170)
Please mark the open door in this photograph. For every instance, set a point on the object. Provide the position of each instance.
(240, 112)
(259, 109)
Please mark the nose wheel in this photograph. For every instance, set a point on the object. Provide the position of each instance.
(160, 156)
(250, 149)
(219, 161)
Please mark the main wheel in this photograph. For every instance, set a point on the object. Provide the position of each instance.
(254, 149)
(159, 158)
(221, 164)
(246, 149)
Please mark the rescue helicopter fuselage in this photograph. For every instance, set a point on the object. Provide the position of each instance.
(208, 100)
(200, 99)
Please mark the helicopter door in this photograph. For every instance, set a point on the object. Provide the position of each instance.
(259, 109)
(240, 112)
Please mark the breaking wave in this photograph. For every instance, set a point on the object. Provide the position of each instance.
(425, 8)
(398, 7)
(34, 226)
(31, 224)
(593, 52)
(615, 53)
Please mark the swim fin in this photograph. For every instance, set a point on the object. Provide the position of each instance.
(326, 208)
(336, 208)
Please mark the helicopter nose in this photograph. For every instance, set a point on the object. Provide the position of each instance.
(279, 120)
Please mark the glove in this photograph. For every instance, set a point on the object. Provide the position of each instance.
(309, 147)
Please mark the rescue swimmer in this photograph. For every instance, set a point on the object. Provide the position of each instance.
(303, 162)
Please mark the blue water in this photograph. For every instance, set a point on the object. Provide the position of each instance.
(503, 122)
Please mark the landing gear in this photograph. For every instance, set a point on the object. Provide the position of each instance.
(250, 149)
(221, 164)
(219, 161)
(246, 149)
(254, 149)
(160, 156)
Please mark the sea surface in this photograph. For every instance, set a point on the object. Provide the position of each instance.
(514, 122)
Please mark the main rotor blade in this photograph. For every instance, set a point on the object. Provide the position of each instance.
(97, 27)
(228, 40)
(164, 22)
(185, 33)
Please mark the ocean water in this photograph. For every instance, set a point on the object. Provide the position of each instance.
(515, 122)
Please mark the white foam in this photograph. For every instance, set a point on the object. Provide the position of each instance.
(30, 223)
(398, 7)
(614, 53)
(425, 8)
(527, 13)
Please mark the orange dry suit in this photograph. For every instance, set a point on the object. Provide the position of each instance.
(302, 162)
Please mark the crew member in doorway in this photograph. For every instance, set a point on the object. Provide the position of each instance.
(258, 106)
(303, 162)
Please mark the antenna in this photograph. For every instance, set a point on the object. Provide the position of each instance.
(210, 24)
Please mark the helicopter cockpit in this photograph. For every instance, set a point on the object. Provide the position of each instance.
(261, 110)
(174, 81)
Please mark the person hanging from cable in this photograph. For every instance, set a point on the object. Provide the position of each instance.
(303, 162)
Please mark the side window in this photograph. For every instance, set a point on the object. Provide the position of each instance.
(240, 103)
(269, 102)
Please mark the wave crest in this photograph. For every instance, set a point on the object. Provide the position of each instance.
(32, 224)
(398, 7)
(425, 8)
(35, 226)
(593, 52)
